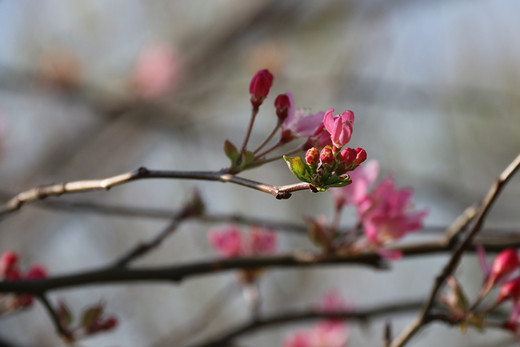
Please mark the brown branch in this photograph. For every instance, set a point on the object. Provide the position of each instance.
(290, 317)
(177, 273)
(454, 260)
(62, 332)
(41, 192)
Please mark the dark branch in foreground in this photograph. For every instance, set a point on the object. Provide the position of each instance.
(362, 316)
(15, 203)
(177, 273)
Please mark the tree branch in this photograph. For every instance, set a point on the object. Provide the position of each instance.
(41, 192)
(454, 260)
(290, 317)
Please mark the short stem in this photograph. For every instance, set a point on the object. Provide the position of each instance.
(248, 133)
(272, 148)
(278, 125)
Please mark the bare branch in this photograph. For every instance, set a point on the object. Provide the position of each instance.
(454, 260)
(290, 317)
(62, 332)
(41, 192)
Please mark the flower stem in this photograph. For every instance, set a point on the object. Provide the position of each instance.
(278, 125)
(249, 128)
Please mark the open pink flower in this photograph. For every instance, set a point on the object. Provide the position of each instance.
(362, 178)
(230, 242)
(386, 213)
(298, 123)
(339, 127)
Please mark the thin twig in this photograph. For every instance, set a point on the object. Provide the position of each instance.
(62, 332)
(15, 203)
(254, 112)
(454, 260)
(212, 309)
(145, 247)
(291, 317)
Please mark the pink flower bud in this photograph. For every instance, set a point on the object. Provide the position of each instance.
(504, 264)
(361, 156)
(109, 323)
(259, 88)
(348, 157)
(510, 289)
(8, 262)
(36, 272)
(327, 156)
(282, 104)
(287, 136)
(312, 156)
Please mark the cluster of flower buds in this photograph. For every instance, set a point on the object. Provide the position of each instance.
(499, 274)
(91, 321)
(326, 164)
(10, 271)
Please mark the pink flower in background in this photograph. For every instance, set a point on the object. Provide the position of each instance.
(230, 242)
(10, 271)
(157, 71)
(339, 127)
(326, 333)
(362, 178)
(386, 213)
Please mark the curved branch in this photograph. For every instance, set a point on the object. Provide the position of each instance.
(290, 317)
(41, 192)
(454, 260)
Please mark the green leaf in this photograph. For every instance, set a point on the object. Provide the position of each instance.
(335, 181)
(231, 152)
(247, 158)
(299, 169)
(64, 314)
(91, 314)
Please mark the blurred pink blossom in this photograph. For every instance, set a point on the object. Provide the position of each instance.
(326, 333)
(157, 71)
(362, 178)
(230, 242)
(386, 213)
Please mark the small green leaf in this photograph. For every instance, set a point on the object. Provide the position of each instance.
(299, 169)
(91, 314)
(64, 314)
(335, 181)
(247, 158)
(231, 152)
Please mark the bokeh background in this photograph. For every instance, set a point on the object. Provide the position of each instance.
(434, 86)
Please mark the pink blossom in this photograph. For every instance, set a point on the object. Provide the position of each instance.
(157, 70)
(298, 123)
(262, 241)
(362, 178)
(323, 334)
(386, 213)
(339, 127)
(504, 264)
(510, 289)
(229, 242)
